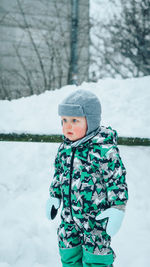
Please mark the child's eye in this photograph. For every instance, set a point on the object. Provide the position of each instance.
(64, 120)
(74, 120)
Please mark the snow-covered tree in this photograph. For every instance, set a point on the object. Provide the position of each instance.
(122, 46)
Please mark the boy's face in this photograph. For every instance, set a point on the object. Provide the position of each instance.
(74, 128)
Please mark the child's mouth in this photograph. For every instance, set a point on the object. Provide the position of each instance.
(70, 133)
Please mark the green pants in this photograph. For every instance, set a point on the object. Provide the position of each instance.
(78, 257)
(86, 246)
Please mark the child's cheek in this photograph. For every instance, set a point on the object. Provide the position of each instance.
(79, 131)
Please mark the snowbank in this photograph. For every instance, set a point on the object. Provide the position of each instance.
(125, 106)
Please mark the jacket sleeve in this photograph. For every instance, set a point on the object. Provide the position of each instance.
(55, 188)
(114, 174)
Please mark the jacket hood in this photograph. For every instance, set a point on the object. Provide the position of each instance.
(106, 135)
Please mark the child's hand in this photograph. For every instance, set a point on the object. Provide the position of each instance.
(115, 217)
(52, 206)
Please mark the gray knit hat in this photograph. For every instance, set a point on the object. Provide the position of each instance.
(82, 103)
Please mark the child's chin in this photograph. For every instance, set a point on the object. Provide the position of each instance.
(71, 138)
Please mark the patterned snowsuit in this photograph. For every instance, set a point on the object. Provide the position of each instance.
(89, 179)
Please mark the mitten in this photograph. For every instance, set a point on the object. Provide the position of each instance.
(115, 218)
(52, 206)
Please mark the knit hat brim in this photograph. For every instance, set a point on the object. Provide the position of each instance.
(70, 110)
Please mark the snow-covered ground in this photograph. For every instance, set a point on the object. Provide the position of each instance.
(125, 106)
(27, 238)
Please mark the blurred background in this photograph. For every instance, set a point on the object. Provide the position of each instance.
(47, 44)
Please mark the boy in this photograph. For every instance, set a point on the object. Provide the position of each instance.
(90, 180)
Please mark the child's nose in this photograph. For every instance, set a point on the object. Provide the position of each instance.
(69, 126)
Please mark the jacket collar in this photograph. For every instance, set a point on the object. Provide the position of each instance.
(82, 140)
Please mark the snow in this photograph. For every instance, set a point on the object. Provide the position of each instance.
(125, 106)
(103, 10)
(27, 237)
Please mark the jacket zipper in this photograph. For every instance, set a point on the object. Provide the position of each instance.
(71, 170)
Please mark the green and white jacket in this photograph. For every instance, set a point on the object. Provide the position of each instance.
(90, 177)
